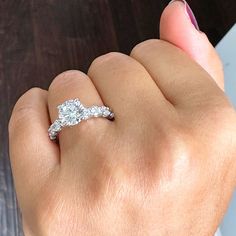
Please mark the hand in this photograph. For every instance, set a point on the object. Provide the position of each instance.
(165, 166)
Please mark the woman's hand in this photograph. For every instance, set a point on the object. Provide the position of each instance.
(165, 166)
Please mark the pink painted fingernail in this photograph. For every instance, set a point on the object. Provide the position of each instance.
(189, 13)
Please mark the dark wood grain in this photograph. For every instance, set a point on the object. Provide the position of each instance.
(39, 39)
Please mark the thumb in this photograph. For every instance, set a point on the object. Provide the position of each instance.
(178, 26)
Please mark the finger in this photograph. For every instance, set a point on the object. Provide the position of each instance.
(182, 81)
(179, 27)
(125, 85)
(33, 155)
(71, 85)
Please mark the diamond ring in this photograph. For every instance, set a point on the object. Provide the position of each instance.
(72, 112)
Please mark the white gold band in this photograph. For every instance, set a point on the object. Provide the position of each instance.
(72, 112)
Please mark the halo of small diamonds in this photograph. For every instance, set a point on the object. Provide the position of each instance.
(72, 112)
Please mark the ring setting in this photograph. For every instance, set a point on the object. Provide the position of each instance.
(72, 112)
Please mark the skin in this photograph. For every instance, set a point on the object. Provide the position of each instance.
(166, 164)
(176, 28)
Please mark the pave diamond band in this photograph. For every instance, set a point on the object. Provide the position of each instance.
(72, 112)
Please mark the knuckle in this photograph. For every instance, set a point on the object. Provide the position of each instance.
(33, 91)
(174, 145)
(66, 79)
(106, 58)
(146, 45)
(172, 141)
(22, 109)
(20, 116)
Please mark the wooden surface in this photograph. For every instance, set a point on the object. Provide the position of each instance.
(39, 39)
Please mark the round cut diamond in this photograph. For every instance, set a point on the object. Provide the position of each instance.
(69, 112)
(105, 112)
(92, 110)
(86, 114)
(56, 126)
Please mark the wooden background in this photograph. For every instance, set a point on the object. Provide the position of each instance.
(41, 38)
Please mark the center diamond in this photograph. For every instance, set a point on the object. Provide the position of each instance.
(69, 112)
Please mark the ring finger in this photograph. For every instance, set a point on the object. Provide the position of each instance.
(71, 85)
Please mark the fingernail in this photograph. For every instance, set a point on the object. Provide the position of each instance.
(189, 13)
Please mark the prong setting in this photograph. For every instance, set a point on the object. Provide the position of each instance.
(72, 112)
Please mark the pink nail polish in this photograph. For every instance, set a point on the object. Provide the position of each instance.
(189, 13)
